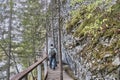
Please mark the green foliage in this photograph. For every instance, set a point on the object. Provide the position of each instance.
(73, 2)
(93, 18)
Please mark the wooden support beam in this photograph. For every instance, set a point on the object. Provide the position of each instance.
(39, 77)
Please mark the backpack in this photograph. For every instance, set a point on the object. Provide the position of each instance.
(52, 52)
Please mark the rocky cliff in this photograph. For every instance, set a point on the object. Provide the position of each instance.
(91, 39)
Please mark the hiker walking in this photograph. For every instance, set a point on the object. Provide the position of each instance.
(52, 57)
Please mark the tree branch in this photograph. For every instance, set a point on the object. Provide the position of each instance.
(4, 50)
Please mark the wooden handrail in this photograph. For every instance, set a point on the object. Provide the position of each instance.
(22, 74)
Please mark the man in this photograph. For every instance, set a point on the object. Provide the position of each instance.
(52, 57)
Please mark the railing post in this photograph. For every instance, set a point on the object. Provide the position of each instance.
(39, 77)
(26, 77)
(45, 69)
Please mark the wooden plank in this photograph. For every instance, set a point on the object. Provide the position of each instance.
(28, 70)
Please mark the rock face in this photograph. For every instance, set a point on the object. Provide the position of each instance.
(90, 58)
(84, 65)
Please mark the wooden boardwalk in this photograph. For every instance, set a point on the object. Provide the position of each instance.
(48, 73)
(55, 74)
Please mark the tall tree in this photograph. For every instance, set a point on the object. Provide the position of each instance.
(59, 39)
(33, 24)
(9, 46)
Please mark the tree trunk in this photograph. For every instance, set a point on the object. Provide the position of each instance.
(9, 35)
(59, 43)
(15, 63)
(46, 29)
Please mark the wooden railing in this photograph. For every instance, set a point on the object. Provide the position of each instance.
(24, 74)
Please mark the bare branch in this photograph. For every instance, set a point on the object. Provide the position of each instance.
(4, 50)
